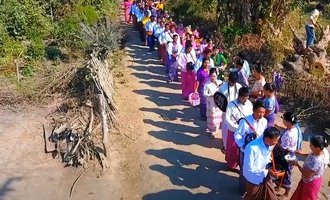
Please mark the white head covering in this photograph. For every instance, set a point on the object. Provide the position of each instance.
(326, 156)
(149, 13)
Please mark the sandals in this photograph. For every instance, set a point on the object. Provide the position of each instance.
(223, 150)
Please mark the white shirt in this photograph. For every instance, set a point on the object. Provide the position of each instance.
(233, 114)
(184, 58)
(246, 68)
(175, 33)
(312, 17)
(162, 38)
(210, 88)
(199, 63)
(165, 37)
(158, 30)
(173, 48)
(256, 158)
(243, 128)
(289, 139)
(150, 26)
(233, 91)
(258, 85)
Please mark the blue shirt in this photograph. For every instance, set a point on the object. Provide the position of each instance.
(270, 103)
(257, 156)
(139, 15)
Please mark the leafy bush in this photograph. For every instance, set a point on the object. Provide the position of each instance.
(36, 49)
(24, 19)
(87, 14)
(232, 31)
(9, 50)
(27, 71)
(53, 53)
(196, 13)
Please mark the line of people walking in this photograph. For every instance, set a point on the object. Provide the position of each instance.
(255, 145)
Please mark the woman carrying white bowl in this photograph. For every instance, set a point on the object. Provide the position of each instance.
(290, 142)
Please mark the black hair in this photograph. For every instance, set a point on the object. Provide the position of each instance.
(243, 92)
(290, 117)
(233, 77)
(319, 141)
(204, 60)
(259, 68)
(258, 104)
(320, 7)
(241, 55)
(175, 35)
(188, 44)
(270, 87)
(208, 40)
(213, 70)
(271, 132)
(240, 62)
(188, 34)
(190, 65)
(207, 51)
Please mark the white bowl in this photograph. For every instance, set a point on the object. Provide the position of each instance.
(289, 157)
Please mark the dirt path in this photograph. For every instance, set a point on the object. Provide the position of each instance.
(27, 173)
(174, 158)
(169, 154)
(162, 152)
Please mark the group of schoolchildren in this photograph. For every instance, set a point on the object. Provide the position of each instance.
(253, 141)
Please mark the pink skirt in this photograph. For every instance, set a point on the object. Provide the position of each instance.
(214, 119)
(307, 191)
(187, 83)
(232, 151)
(163, 53)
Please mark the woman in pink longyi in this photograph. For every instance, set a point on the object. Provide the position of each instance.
(127, 10)
(313, 170)
(188, 76)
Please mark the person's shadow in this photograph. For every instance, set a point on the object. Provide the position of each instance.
(192, 171)
(6, 187)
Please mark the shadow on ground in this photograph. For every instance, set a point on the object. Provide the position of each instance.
(192, 171)
(6, 187)
(181, 127)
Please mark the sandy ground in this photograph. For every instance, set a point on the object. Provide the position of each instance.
(26, 172)
(162, 153)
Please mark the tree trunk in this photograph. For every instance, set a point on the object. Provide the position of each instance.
(246, 12)
(316, 55)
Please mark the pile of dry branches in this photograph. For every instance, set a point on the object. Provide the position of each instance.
(80, 127)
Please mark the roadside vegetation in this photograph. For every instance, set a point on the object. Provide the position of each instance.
(42, 41)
